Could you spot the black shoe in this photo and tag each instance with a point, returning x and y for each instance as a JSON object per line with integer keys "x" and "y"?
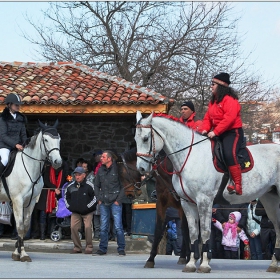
{"x": 122, "y": 253}
{"x": 99, "y": 253}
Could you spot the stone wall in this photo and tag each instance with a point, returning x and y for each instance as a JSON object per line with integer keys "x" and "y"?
{"x": 79, "y": 138}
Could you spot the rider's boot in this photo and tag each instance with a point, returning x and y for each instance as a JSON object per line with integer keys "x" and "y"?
{"x": 235, "y": 172}
{"x": 2, "y": 168}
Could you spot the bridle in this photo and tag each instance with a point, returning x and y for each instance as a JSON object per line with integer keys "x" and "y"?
{"x": 134, "y": 183}
{"x": 47, "y": 152}
{"x": 154, "y": 158}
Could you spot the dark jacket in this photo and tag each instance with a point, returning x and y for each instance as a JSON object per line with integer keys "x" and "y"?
{"x": 12, "y": 131}
{"x": 260, "y": 211}
{"x": 108, "y": 186}
{"x": 223, "y": 212}
{"x": 80, "y": 200}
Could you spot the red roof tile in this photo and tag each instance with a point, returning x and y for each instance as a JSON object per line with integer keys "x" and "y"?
{"x": 70, "y": 83}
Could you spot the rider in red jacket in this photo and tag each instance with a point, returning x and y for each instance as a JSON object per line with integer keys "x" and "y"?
{"x": 223, "y": 119}
{"x": 188, "y": 116}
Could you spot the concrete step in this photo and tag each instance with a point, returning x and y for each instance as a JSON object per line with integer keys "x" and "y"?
{"x": 134, "y": 245}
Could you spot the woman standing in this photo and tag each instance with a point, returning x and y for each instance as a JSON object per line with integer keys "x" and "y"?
{"x": 12, "y": 129}
{"x": 223, "y": 119}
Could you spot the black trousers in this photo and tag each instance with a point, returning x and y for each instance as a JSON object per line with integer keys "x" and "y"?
{"x": 268, "y": 239}
{"x": 231, "y": 141}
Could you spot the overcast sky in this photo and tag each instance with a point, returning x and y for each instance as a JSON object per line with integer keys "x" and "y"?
{"x": 260, "y": 21}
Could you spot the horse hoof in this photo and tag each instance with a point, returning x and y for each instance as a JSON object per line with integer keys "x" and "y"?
{"x": 271, "y": 269}
{"x": 278, "y": 270}
{"x": 26, "y": 259}
{"x": 204, "y": 269}
{"x": 189, "y": 269}
{"x": 15, "y": 257}
{"x": 149, "y": 265}
{"x": 182, "y": 261}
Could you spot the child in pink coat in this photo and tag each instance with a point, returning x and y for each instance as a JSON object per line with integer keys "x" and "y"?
{"x": 231, "y": 238}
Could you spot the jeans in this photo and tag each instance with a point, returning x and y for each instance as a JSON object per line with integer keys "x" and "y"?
{"x": 105, "y": 213}
{"x": 256, "y": 248}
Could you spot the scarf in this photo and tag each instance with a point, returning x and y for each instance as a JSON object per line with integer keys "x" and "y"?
{"x": 51, "y": 203}
{"x": 232, "y": 227}
{"x": 97, "y": 167}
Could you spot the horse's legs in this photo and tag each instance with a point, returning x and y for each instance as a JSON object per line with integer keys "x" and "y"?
{"x": 205, "y": 217}
{"x": 191, "y": 213}
{"x": 271, "y": 203}
{"x": 22, "y": 218}
{"x": 185, "y": 250}
{"x": 160, "y": 222}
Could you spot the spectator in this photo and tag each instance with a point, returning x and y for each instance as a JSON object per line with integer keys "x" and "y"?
{"x": 110, "y": 193}
{"x": 222, "y": 215}
{"x": 80, "y": 199}
{"x": 267, "y": 233}
{"x": 171, "y": 244}
{"x": 253, "y": 231}
{"x": 216, "y": 237}
{"x": 231, "y": 236}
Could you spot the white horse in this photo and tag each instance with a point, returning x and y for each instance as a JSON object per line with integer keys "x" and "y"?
{"x": 25, "y": 182}
{"x": 196, "y": 180}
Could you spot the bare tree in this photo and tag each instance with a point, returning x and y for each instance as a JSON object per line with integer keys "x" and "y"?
{"x": 173, "y": 47}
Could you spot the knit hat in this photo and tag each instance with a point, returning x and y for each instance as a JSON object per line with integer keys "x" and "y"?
{"x": 188, "y": 104}
{"x": 235, "y": 216}
{"x": 97, "y": 153}
{"x": 222, "y": 79}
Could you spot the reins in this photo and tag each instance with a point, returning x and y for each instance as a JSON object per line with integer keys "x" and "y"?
{"x": 152, "y": 149}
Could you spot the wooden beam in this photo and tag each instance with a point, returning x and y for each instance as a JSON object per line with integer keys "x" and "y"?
{"x": 90, "y": 109}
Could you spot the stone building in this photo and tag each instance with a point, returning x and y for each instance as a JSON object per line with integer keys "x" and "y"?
{"x": 95, "y": 110}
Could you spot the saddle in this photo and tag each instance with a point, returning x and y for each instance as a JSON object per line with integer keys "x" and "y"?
{"x": 244, "y": 157}
{"x": 10, "y": 164}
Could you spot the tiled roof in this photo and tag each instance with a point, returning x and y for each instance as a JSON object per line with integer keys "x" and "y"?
{"x": 70, "y": 83}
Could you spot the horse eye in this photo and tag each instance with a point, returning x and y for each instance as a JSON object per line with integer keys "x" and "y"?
{"x": 145, "y": 139}
{"x": 46, "y": 140}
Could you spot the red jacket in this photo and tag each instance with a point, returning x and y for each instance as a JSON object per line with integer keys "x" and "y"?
{"x": 191, "y": 123}
{"x": 222, "y": 116}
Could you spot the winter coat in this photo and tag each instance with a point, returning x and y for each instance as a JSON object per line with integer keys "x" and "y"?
{"x": 171, "y": 230}
{"x": 252, "y": 226}
{"x": 80, "y": 200}
{"x": 191, "y": 122}
{"x": 222, "y": 116}
{"x": 108, "y": 186}
{"x": 228, "y": 240}
{"x": 12, "y": 131}
{"x": 265, "y": 222}
{"x": 90, "y": 177}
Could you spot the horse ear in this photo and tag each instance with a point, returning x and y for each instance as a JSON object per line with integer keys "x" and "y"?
{"x": 138, "y": 116}
{"x": 41, "y": 125}
{"x": 55, "y": 124}
{"x": 149, "y": 119}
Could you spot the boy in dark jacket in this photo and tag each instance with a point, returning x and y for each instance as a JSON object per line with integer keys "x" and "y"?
{"x": 81, "y": 201}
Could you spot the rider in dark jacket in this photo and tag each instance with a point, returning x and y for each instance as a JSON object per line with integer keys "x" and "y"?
{"x": 12, "y": 129}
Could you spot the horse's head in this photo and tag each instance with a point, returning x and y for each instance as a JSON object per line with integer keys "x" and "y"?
{"x": 129, "y": 175}
{"x": 148, "y": 142}
{"x": 51, "y": 144}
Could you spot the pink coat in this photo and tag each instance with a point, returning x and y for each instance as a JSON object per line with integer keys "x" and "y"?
{"x": 228, "y": 239}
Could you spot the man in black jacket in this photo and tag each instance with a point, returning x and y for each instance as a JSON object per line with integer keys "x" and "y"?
{"x": 110, "y": 193}
{"x": 267, "y": 234}
{"x": 81, "y": 201}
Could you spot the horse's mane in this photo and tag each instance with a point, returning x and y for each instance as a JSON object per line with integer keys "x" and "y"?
{"x": 32, "y": 141}
{"x": 166, "y": 116}
{"x": 130, "y": 155}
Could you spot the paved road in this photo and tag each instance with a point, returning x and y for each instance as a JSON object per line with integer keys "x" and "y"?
{"x": 62, "y": 265}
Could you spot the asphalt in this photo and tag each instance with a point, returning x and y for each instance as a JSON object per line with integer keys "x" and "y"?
{"x": 134, "y": 245}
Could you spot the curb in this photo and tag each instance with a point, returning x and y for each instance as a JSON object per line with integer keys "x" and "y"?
{"x": 133, "y": 246}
